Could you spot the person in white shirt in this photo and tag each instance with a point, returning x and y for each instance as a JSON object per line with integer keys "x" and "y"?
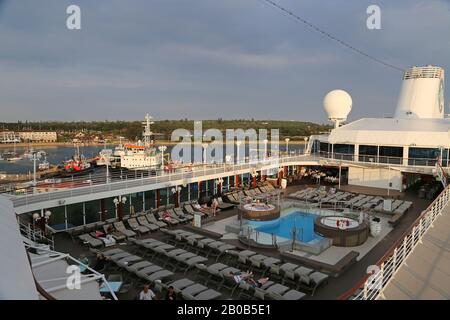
{"x": 146, "y": 293}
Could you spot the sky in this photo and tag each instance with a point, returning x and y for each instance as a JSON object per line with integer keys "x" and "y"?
{"x": 209, "y": 59}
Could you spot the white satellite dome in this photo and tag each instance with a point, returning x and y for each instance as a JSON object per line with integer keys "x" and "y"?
{"x": 337, "y": 105}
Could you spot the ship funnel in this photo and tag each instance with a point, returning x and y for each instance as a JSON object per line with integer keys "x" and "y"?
{"x": 422, "y": 94}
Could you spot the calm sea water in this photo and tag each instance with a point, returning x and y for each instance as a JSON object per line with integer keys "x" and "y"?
{"x": 56, "y": 155}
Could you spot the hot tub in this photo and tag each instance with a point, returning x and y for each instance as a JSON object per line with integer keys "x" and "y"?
{"x": 345, "y": 232}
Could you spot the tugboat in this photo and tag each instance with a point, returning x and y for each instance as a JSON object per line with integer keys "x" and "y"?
{"x": 77, "y": 166}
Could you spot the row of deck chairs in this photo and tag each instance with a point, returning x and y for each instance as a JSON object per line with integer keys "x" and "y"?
{"x": 305, "y": 278}
{"x": 222, "y": 276}
{"x": 153, "y": 273}
{"x": 199, "y": 243}
{"x": 350, "y": 200}
{"x": 301, "y": 277}
{"x": 234, "y": 197}
{"x": 168, "y": 254}
{"x": 142, "y": 223}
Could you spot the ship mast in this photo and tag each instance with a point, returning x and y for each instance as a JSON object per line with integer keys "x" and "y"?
{"x": 147, "y": 134}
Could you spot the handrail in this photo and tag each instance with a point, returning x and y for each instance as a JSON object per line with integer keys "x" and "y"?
{"x": 79, "y": 263}
{"x": 390, "y": 262}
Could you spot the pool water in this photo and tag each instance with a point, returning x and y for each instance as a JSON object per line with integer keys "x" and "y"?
{"x": 283, "y": 227}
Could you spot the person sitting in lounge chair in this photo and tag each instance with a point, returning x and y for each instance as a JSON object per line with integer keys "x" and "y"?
{"x": 146, "y": 293}
{"x": 248, "y": 278}
{"x": 100, "y": 262}
{"x": 170, "y": 295}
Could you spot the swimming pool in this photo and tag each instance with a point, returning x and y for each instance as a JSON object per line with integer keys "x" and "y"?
{"x": 283, "y": 227}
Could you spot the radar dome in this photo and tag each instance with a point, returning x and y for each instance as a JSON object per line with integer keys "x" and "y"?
{"x": 337, "y": 105}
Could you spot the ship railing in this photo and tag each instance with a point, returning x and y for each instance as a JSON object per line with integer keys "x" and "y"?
{"x": 372, "y": 285}
{"x": 92, "y": 274}
{"x": 381, "y": 160}
{"x": 94, "y": 183}
{"x": 35, "y": 235}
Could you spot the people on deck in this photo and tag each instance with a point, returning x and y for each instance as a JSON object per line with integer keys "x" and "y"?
{"x": 100, "y": 262}
{"x": 147, "y": 293}
{"x": 170, "y": 295}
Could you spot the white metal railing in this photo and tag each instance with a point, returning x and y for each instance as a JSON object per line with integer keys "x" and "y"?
{"x": 82, "y": 186}
{"x": 373, "y": 286}
{"x": 35, "y": 235}
{"x": 54, "y": 255}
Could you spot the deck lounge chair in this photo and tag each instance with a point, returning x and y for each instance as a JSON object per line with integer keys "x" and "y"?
{"x": 175, "y": 216}
{"x": 313, "y": 281}
{"x": 142, "y": 220}
{"x": 289, "y": 295}
{"x": 167, "y": 217}
{"x": 135, "y": 226}
{"x": 180, "y": 213}
{"x": 119, "y": 236}
{"x": 180, "y": 284}
{"x": 121, "y": 227}
{"x": 223, "y": 205}
{"x": 91, "y": 241}
{"x": 209, "y": 294}
{"x": 159, "y": 275}
{"x": 151, "y": 219}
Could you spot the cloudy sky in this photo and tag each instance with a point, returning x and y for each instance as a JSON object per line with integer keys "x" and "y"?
{"x": 208, "y": 59}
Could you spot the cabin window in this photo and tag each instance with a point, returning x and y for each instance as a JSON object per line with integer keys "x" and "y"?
{"x": 392, "y": 155}
{"x": 424, "y": 156}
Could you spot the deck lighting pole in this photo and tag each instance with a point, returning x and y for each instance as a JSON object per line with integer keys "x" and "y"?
{"x": 304, "y": 148}
{"x": 34, "y": 168}
{"x": 205, "y": 147}
{"x": 265, "y": 148}
{"x": 119, "y": 202}
{"x": 162, "y": 149}
{"x": 287, "y": 145}
{"x": 238, "y": 144}
{"x": 42, "y": 218}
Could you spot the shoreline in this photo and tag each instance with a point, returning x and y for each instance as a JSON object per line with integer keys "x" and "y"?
{"x": 94, "y": 144}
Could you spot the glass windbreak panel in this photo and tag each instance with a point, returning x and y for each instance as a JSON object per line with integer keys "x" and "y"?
{"x": 368, "y": 153}
{"x": 211, "y": 184}
{"x": 136, "y": 202}
{"x": 149, "y": 200}
{"x": 171, "y": 195}
{"x": 324, "y": 148}
{"x": 75, "y": 214}
{"x": 184, "y": 194}
{"x": 57, "y": 218}
{"x": 445, "y": 158}
{"x": 163, "y": 196}
{"x": 110, "y": 208}
{"x": 343, "y": 151}
{"x": 194, "y": 191}
{"x": 392, "y": 155}
{"x": 225, "y": 184}
{"x": 423, "y": 156}
{"x": 92, "y": 211}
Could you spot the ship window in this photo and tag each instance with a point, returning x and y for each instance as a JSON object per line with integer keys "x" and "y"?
{"x": 324, "y": 147}
{"x": 75, "y": 214}
{"x": 149, "y": 200}
{"x": 92, "y": 209}
{"x": 424, "y": 156}
{"x": 368, "y": 153}
{"x": 184, "y": 194}
{"x": 194, "y": 191}
{"x": 343, "y": 151}
{"x": 57, "y": 218}
{"x": 391, "y": 154}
